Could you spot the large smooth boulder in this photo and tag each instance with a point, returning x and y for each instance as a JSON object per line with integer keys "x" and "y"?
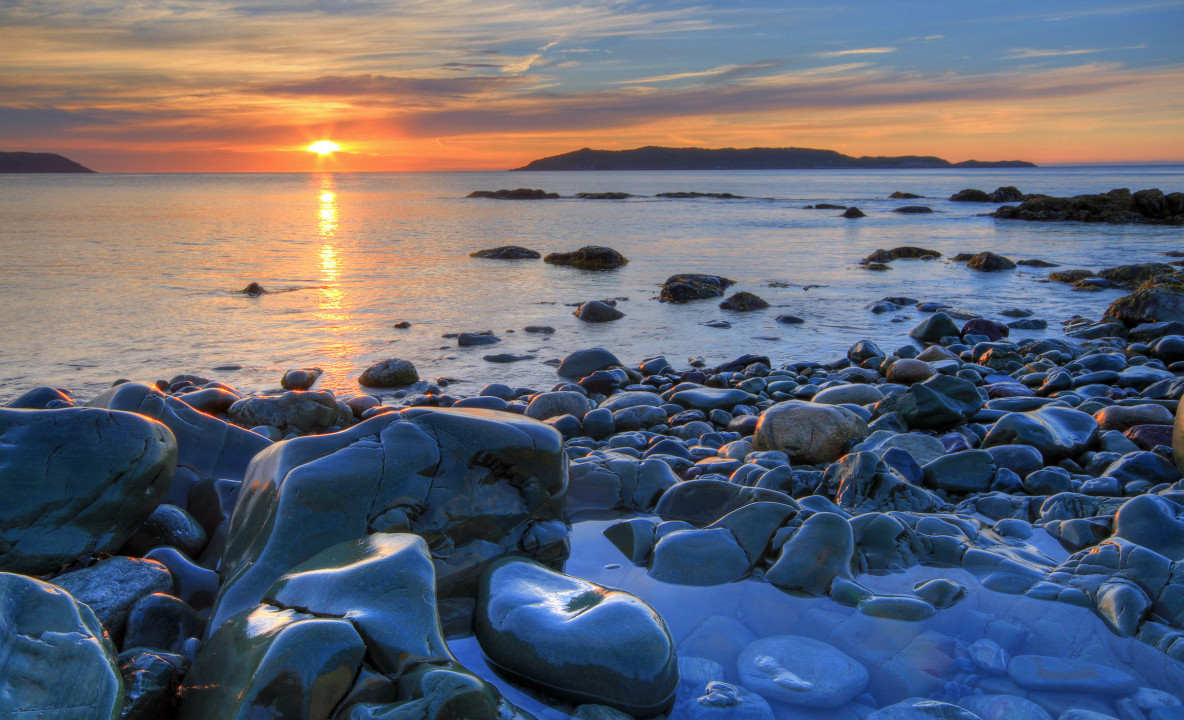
{"x": 800, "y": 671}
{"x": 1178, "y": 437}
{"x": 385, "y": 585}
{"x": 77, "y": 480}
{"x": 555, "y": 404}
{"x": 574, "y": 639}
{"x": 1154, "y": 522}
{"x": 111, "y": 587}
{"x": 862, "y": 482}
{"x": 582, "y": 363}
{"x": 684, "y": 287}
{"x": 1057, "y": 432}
{"x": 821, "y": 550}
{"x": 935, "y": 327}
{"x": 267, "y": 662}
{"x": 55, "y": 659}
{"x": 939, "y": 402}
{"x": 300, "y": 412}
{"x": 477, "y": 484}
{"x": 589, "y": 257}
{"x": 392, "y": 372}
{"x": 808, "y": 432}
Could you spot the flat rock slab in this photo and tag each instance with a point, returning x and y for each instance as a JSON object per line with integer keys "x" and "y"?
{"x": 801, "y": 671}
{"x": 1054, "y": 674}
{"x": 575, "y": 639}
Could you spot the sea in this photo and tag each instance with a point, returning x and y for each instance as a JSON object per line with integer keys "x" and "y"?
{"x": 136, "y": 276}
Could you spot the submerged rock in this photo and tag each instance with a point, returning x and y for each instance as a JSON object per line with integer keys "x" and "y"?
{"x": 516, "y": 194}
{"x": 743, "y": 301}
{"x": 589, "y": 257}
{"x": 507, "y": 252}
{"x": 801, "y": 671}
{"x": 574, "y": 639}
{"x": 685, "y": 287}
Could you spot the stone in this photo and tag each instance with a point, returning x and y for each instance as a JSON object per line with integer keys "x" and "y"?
{"x": 260, "y": 663}
{"x": 862, "y": 482}
{"x": 507, "y": 252}
{"x": 801, "y": 671}
{"x": 392, "y": 372}
{"x": 939, "y": 402}
{"x": 905, "y": 251}
{"x": 574, "y": 639}
{"x": 1058, "y": 433}
{"x": 933, "y": 328}
{"x": 589, "y": 257}
{"x": 300, "y": 379}
{"x": 444, "y": 691}
{"x": 162, "y": 622}
{"x": 1154, "y": 522}
{"x": 55, "y": 659}
{"x": 970, "y": 195}
{"x": 516, "y": 194}
{"x": 110, "y": 588}
{"x": 1058, "y": 674}
{"x": 150, "y": 685}
{"x": 708, "y": 556}
{"x": 382, "y": 583}
{"x": 821, "y": 550}
{"x": 77, "y": 480}
{"x": 582, "y": 363}
{"x": 707, "y": 399}
{"x": 684, "y": 287}
{"x": 168, "y": 525}
{"x": 921, "y": 709}
{"x": 908, "y": 371}
{"x": 968, "y": 471}
{"x": 596, "y": 311}
{"x": 982, "y": 326}
{"x": 1125, "y": 417}
{"x": 853, "y": 212}
{"x": 554, "y": 404}
{"x": 479, "y": 483}
{"x": 855, "y": 394}
{"x": 743, "y": 301}
{"x": 990, "y": 262}
{"x": 724, "y": 701}
{"x": 809, "y": 433}
{"x": 476, "y": 339}
{"x": 299, "y": 412}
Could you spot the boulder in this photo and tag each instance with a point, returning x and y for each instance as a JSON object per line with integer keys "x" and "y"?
{"x": 111, "y": 587}
{"x": 55, "y": 659}
{"x": 515, "y": 194}
{"x": 743, "y": 301}
{"x": 589, "y": 257}
{"x": 684, "y": 287}
{"x": 990, "y": 262}
{"x": 77, "y": 480}
{"x": 576, "y": 640}
{"x": 478, "y": 483}
{"x": 507, "y": 252}
{"x": 596, "y": 311}
{"x": 1154, "y": 301}
{"x": 970, "y": 195}
{"x": 902, "y": 252}
{"x": 1058, "y": 433}
{"x": 801, "y": 671}
{"x": 554, "y": 404}
{"x": 300, "y": 379}
{"x": 935, "y": 327}
{"x": 808, "y": 432}
{"x": 1130, "y": 277}
{"x": 821, "y": 550}
{"x": 852, "y": 213}
{"x": 300, "y": 412}
{"x": 582, "y": 363}
{"x": 936, "y": 403}
{"x": 391, "y": 372}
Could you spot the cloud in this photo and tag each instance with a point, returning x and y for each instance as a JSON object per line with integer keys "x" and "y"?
{"x": 1029, "y": 53}
{"x": 858, "y": 51}
{"x": 379, "y": 86}
{"x": 716, "y": 74}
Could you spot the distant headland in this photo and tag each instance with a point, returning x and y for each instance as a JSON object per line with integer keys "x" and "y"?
{"x": 27, "y": 162}
{"x": 664, "y": 158}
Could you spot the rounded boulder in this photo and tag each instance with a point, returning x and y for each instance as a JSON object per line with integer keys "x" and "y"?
{"x": 808, "y": 432}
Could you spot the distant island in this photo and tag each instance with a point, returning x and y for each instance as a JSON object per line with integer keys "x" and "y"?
{"x": 664, "y": 158}
{"x": 27, "y": 162}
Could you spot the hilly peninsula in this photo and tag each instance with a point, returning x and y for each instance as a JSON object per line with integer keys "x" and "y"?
{"x": 664, "y": 158}
{"x": 27, "y": 162}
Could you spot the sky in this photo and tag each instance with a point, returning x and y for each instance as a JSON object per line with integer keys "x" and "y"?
{"x": 217, "y": 85}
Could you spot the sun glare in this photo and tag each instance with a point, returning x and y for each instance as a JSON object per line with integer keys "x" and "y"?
{"x": 324, "y": 147}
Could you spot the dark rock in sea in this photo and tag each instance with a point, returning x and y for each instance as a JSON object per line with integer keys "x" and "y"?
{"x": 790, "y": 320}
{"x": 743, "y": 301}
{"x": 1159, "y": 300}
{"x": 935, "y": 327}
{"x": 253, "y": 289}
{"x": 853, "y": 212}
{"x": 1033, "y": 262}
{"x": 506, "y": 358}
{"x": 596, "y": 311}
{"x": 57, "y": 659}
{"x": 77, "y": 480}
{"x": 1116, "y": 206}
{"x": 476, "y": 339}
{"x": 1070, "y": 276}
{"x": 1007, "y": 193}
{"x": 300, "y": 379}
{"x": 1130, "y": 277}
{"x": 1028, "y": 324}
{"x": 480, "y": 483}
{"x": 913, "y": 209}
{"x": 582, "y": 363}
{"x": 981, "y": 326}
{"x": 401, "y": 325}
{"x": 685, "y": 287}
{"x": 242, "y": 668}
{"x": 539, "y": 329}
{"x": 970, "y": 195}
{"x": 874, "y": 266}
{"x": 826, "y": 206}
{"x": 686, "y": 195}
{"x": 899, "y": 253}
{"x": 809, "y": 433}
{"x": 589, "y": 257}
{"x": 300, "y": 412}
{"x": 392, "y": 372}
{"x": 516, "y": 194}
{"x": 990, "y": 262}
{"x": 507, "y": 252}
{"x": 110, "y": 588}
{"x": 574, "y": 639}
{"x": 898, "y": 195}
{"x": 603, "y": 195}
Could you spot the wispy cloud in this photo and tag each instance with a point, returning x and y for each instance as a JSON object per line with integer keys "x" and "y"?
{"x": 721, "y": 73}
{"x": 857, "y": 51}
{"x": 1030, "y": 53}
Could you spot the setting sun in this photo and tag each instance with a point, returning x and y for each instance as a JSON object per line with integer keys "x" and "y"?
{"x": 324, "y": 147}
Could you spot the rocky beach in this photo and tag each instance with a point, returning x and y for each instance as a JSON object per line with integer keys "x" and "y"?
{"x": 985, "y": 522}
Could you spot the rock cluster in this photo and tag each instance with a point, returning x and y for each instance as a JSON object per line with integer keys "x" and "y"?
{"x": 1116, "y": 206}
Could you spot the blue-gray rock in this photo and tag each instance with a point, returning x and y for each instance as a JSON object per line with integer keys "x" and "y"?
{"x": 574, "y": 639}
{"x": 801, "y": 671}
{"x": 936, "y": 403}
{"x": 968, "y": 471}
{"x": 1004, "y": 707}
{"x": 150, "y": 684}
{"x": 77, "y": 480}
{"x": 708, "y": 556}
{"x": 1020, "y": 459}
{"x": 582, "y": 363}
{"x": 162, "y": 622}
{"x": 633, "y": 537}
{"x": 467, "y": 339}
{"x": 855, "y": 393}
{"x": 110, "y": 588}
{"x": 42, "y": 398}
{"x": 862, "y": 482}
{"x": 922, "y": 709}
{"x": 809, "y": 433}
{"x": 55, "y": 659}
{"x": 1057, "y": 432}
{"x": 168, "y": 525}
{"x": 392, "y": 372}
{"x": 595, "y": 311}
{"x": 480, "y": 483}
{"x": 299, "y": 412}
{"x": 821, "y": 550}
{"x": 1142, "y": 466}
{"x": 706, "y": 399}
{"x": 267, "y": 662}
{"x": 935, "y": 327}
{"x": 1056, "y": 674}
{"x": 598, "y": 423}
{"x": 1155, "y": 522}
{"x": 614, "y": 481}
{"x": 724, "y": 701}
{"x": 553, "y": 404}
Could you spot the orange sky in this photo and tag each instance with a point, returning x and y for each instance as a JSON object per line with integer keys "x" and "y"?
{"x": 196, "y": 85}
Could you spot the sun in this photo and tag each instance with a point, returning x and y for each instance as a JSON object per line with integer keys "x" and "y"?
{"x": 323, "y": 147}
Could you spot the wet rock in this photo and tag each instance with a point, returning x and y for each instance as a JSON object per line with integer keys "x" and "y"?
{"x": 1058, "y": 433}
{"x": 820, "y": 551}
{"x": 1154, "y": 522}
{"x": 939, "y": 402}
{"x": 707, "y": 399}
{"x": 1125, "y": 417}
{"x": 855, "y": 394}
{"x": 111, "y": 587}
{"x": 168, "y": 525}
{"x": 391, "y": 372}
{"x": 685, "y": 287}
{"x": 990, "y": 262}
{"x": 970, "y": 195}
{"x": 1055, "y": 674}
{"x": 55, "y": 659}
{"x": 516, "y": 194}
{"x": 921, "y": 709}
{"x": 554, "y": 404}
{"x": 384, "y": 584}
{"x": 300, "y": 379}
{"x": 582, "y": 363}
{"x": 862, "y": 482}
{"x": 479, "y": 483}
{"x": 708, "y": 556}
{"x": 507, "y": 252}
{"x": 801, "y": 671}
{"x": 1160, "y": 300}
{"x": 913, "y": 209}
{"x": 908, "y": 371}
{"x": 589, "y": 257}
{"x": 574, "y": 639}
{"x": 77, "y": 480}
{"x": 853, "y": 212}
{"x": 981, "y": 326}
{"x": 969, "y": 471}
{"x": 162, "y": 622}
{"x": 42, "y": 398}
{"x": 299, "y": 412}
{"x": 743, "y": 301}
{"x": 1129, "y": 277}
{"x": 935, "y": 327}
{"x": 475, "y": 339}
{"x": 259, "y": 664}
{"x": 612, "y": 481}
{"x": 807, "y": 432}
{"x": 902, "y": 252}
{"x": 724, "y": 701}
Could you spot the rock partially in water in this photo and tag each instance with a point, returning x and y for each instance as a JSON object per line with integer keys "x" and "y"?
{"x": 685, "y": 287}
{"x": 821, "y": 550}
{"x": 596, "y": 311}
{"x": 392, "y": 372}
{"x": 990, "y": 262}
{"x": 801, "y": 671}
{"x": 744, "y": 301}
{"x": 507, "y": 252}
{"x": 574, "y": 639}
{"x": 582, "y": 363}
{"x": 589, "y": 257}
{"x": 515, "y": 194}
{"x": 55, "y": 659}
{"x": 77, "y": 480}
{"x": 300, "y": 379}
{"x": 902, "y": 252}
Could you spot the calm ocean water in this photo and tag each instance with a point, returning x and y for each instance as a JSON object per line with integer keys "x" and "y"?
{"x": 133, "y": 276}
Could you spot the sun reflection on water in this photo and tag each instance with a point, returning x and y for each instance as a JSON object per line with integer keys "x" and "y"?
{"x": 334, "y": 310}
